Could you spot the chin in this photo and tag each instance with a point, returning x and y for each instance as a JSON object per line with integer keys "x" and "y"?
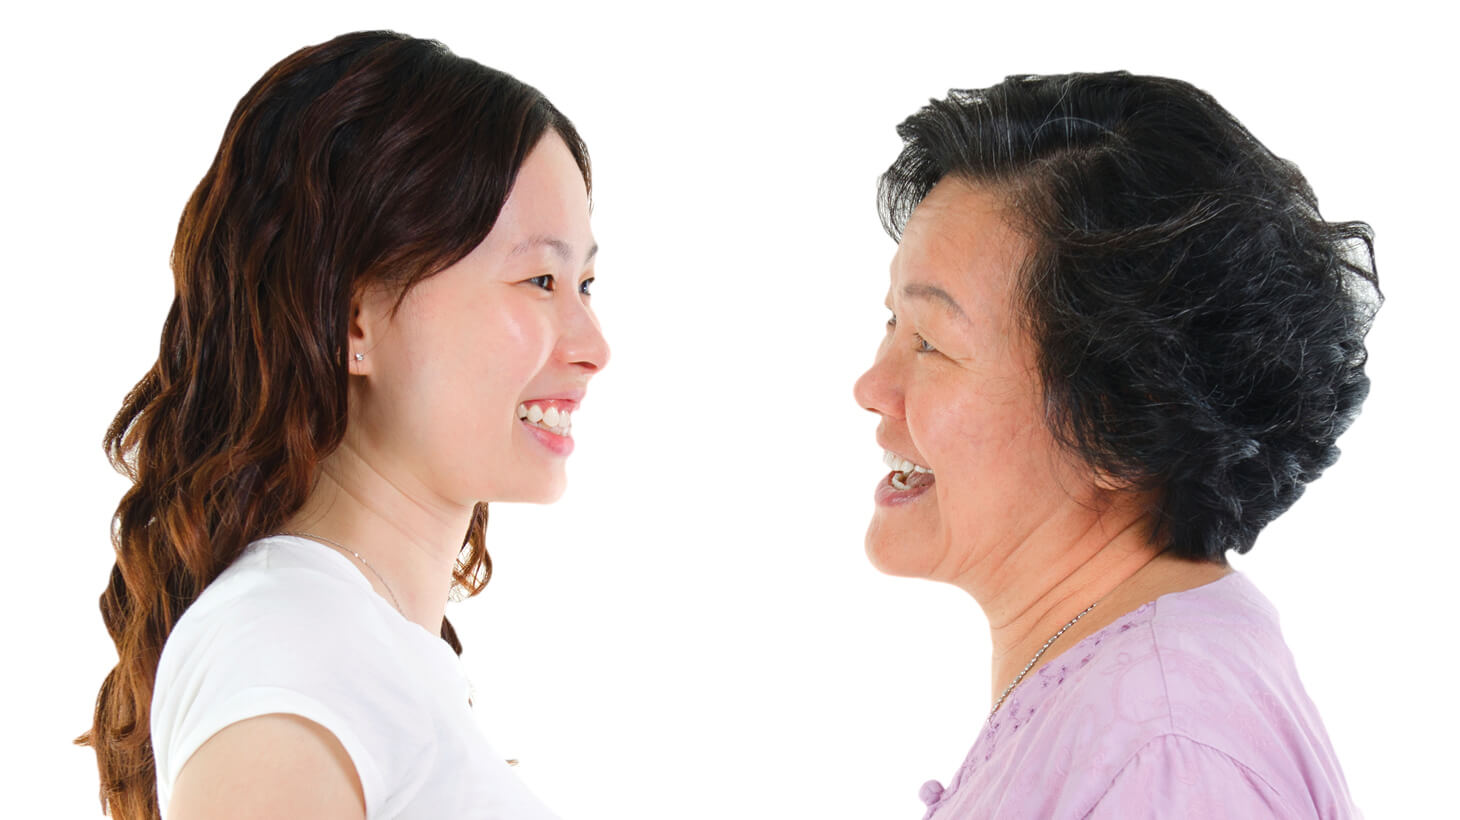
{"x": 550, "y": 496}
{"x": 895, "y": 556}
{"x": 545, "y": 492}
{"x": 528, "y": 489}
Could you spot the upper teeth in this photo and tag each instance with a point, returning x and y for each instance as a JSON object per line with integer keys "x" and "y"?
{"x": 902, "y": 465}
{"x": 551, "y": 418}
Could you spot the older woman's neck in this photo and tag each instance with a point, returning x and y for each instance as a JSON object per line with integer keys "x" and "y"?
{"x": 1033, "y": 590}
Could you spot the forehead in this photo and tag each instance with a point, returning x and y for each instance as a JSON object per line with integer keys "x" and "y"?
{"x": 960, "y": 238}
{"x": 548, "y": 199}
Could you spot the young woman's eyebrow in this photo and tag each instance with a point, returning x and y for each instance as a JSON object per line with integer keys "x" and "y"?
{"x": 561, "y": 248}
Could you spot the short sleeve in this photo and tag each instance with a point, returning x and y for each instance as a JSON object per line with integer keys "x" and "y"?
{"x": 1174, "y": 776}
{"x": 292, "y": 642}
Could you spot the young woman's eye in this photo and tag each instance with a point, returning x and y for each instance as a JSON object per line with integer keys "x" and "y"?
{"x": 545, "y": 281}
{"x": 922, "y": 345}
{"x": 585, "y": 287}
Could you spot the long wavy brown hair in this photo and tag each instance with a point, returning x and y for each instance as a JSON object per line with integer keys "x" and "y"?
{"x": 374, "y": 158}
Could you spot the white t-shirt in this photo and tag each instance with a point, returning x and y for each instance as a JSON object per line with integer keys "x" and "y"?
{"x": 294, "y": 627}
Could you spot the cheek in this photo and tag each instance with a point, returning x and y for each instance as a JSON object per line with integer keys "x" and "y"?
{"x": 948, "y": 420}
{"x": 512, "y": 343}
{"x": 1000, "y": 470}
{"x": 495, "y": 457}
{"x": 469, "y": 365}
{"x": 976, "y": 423}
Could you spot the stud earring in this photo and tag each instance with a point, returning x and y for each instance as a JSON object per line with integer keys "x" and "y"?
{"x": 359, "y": 357}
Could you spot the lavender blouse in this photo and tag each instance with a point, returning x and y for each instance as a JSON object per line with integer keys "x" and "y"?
{"x": 1188, "y": 707}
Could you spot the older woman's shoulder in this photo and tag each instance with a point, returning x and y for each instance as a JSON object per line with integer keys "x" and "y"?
{"x": 1200, "y": 674}
{"x": 1225, "y": 673}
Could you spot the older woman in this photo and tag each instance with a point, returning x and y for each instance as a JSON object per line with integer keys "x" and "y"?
{"x": 1122, "y": 341}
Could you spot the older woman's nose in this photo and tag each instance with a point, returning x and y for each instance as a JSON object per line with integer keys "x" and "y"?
{"x": 876, "y": 390}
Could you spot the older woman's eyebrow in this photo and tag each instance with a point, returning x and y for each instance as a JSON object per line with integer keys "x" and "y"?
{"x": 933, "y": 293}
{"x": 559, "y": 247}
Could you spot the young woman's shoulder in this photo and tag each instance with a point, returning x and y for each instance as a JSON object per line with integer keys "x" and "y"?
{"x": 287, "y": 612}
{"x": 290, "y": 629}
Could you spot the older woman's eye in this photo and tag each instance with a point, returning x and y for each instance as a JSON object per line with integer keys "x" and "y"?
{"x": 545, "y": 281}
{"x": 584, "y": 286}
{"x": 922, "y": 345}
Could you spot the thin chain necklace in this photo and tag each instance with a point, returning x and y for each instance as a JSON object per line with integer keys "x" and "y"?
{"x": 358, "y": 557}
{"x": 471, "y": 687}
{"x": 1035, "y": 659}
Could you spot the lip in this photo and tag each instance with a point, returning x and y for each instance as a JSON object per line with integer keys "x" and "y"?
{"x": 564, "y": 402}
{"x": 561, "y": 446}
{"x": 887, "y": 495}
{"x": 881, "y": 442}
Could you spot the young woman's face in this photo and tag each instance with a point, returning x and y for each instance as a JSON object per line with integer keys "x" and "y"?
{"x": 507, "y": 331}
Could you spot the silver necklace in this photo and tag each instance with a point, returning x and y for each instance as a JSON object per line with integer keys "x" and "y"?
{"x": 1035, "y": 659}
{"x": 471, "y": 688}
{"x": 358, "y": 557}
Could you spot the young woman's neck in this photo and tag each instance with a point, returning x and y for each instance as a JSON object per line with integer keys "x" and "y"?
{"x": 408, "y": 538}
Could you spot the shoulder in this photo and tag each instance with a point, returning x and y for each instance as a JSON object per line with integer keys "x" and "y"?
{"x": 288, "y": 630}
{"x": 1188, "y": 663}
{"x": 274, "y": 765}
{"x": 281, "y": 613}
{"x": 1175, "y": 776}
{"x": 1226, "y": 674}
{"x": 1198, "y": 689}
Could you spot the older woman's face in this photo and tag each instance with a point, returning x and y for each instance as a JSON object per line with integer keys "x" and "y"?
{"x": 956, "y": 388}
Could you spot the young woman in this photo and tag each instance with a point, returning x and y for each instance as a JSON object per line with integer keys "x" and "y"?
{"x": 382, "y": 321}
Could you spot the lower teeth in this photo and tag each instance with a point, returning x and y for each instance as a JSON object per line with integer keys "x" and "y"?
{"x": 558, "y": 431}
{"x": 899, "y": 481}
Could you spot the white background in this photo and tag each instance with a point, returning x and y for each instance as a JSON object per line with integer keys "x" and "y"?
{"x": 694, "y": 631}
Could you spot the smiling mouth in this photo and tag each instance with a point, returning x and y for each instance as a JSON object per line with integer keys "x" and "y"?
{"x": 555, "y": 421}
{"x": 906, "y": 474}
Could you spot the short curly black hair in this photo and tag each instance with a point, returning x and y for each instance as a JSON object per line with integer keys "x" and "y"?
{"x": 1199, "y": 327}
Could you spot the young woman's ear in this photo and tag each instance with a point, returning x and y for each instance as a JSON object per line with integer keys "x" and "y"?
{"x": 370, "y": 310}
